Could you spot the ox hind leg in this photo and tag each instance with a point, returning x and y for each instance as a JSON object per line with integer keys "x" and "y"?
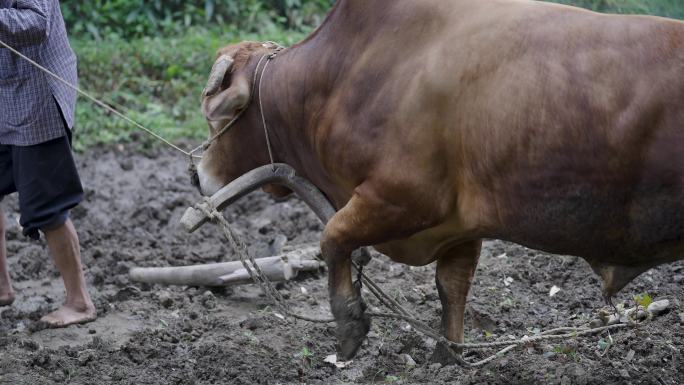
{"x": 363, "y": 221}
{"x": 455, "y": 271}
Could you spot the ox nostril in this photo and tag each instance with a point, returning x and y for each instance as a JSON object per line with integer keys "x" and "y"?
{"x": 194, "y": 177}
{"x": 207, "y": 183}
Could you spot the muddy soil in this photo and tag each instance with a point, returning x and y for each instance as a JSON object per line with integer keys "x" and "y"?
{"x": 148, "y": 334}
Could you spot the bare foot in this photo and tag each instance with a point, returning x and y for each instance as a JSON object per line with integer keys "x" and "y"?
{"x": 70, "y": 315}
{"x": 6, "y": 299}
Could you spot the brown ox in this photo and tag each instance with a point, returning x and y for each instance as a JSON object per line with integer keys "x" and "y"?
{"x": 433, "y": 124}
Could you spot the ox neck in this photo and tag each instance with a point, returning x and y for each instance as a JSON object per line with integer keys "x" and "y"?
{"x": 282, "y": 107}
{"x": 297, "y": 89}
{"x": 292, "y": 91}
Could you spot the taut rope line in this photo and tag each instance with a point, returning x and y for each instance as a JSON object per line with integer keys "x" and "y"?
{"x": 101, "y": 103}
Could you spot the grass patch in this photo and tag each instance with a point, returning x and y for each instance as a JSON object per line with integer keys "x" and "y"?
{"x": 156, "y": 81}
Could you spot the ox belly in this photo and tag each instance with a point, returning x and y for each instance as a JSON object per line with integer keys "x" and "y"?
{"x": 620, "y": 232}
{"x": 428, "y": 245}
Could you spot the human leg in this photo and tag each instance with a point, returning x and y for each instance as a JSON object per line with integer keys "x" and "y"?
{"x": 6, "y": 291}
{"x": 49, "y": 187}
{"x": 64, "y": 248}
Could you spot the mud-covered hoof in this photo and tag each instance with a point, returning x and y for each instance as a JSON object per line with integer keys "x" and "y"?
{"x": 444, "y": 354}
{"x": 352, "y": 326}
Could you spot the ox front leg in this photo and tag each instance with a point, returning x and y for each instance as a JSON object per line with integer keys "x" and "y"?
{"x": 345, "y": 297}
{"x": 361, "y": 222}
{"x": 455, "y": 271}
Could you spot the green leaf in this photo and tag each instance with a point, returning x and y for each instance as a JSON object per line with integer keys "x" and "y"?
{"x": 93, "y": 31}
{"x": 306, "y": 353}
{"x": 643, "y": 299}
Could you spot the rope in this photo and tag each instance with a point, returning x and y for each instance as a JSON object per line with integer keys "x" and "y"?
{"x": 261, "y": 111}
{"x": 398, "y": 312}
{"x": 99, "y": 102}
{"x": 222, "y": 131}
{"x": 252, "y": 267}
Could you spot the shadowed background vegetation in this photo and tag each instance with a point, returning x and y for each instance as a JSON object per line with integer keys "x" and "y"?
{"x": 150, "y": 59}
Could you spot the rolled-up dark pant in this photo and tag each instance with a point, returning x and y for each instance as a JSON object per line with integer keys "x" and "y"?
{"x": 46, "y": 179}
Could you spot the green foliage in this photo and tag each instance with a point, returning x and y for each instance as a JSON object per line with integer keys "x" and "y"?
{"x": 152, "y": 57}
{"x": 668, "y": 8}
{"x": 156, "y": 81}
{"x": 130, "y": 19}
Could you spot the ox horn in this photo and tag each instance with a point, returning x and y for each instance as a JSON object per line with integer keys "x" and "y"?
{"x": 218, "y": 71}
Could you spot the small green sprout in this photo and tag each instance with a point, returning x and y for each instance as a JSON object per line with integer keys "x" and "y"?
{"x": 306, "y": 353}
{"x": 643, "y": 300}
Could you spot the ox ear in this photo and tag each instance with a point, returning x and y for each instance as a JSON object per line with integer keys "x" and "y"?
{"x": 225, "y": 104}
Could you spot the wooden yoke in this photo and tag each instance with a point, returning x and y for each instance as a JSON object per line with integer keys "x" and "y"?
{"x": 280, "y": 174}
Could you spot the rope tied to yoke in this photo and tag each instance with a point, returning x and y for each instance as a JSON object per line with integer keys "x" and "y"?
{"x": 250, "y": 264}
{"x": 98, "y": 102}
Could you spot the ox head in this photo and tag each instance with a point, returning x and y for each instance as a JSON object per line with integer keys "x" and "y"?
{"x": 227, "y": 95}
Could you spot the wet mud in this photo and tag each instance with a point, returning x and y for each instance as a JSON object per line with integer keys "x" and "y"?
{"x": 150, "y": 334}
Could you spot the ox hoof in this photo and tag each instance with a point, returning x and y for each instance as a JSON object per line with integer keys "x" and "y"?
{"x": 352, "y": 326}
{"x": 444, "y": 354}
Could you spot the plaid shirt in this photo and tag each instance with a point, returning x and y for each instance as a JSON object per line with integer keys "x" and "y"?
{"x": 28, "y": 112}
